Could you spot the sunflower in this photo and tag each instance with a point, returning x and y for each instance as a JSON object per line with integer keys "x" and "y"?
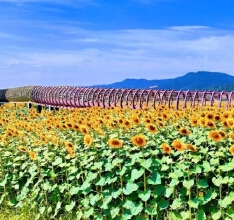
{"x": 194, "y": 121}
{"x": 202, "y": 122}
{"x": 48, "y": 127}
{"x": 32, "y": 155}
{"x": 120, "y": 121}
{"x": 135, "y": 119}
{"x": 232, "y": 136}
{"x": 70, "y": 151}
{"x": 139, "y": 140}
{"x": 215, "y": 136}
{"x": 69, "y": 145}
{"x": 75, "y": 127}
{"x": 225, "y": 124}
{"x": 225, "y": 115}
{"x": 147, "y": 120}
{"x": 56, "y": 124}
{"x": 184, "y": 131}
{"x": 84, "y": 129}
{"x": 9, "y": 133}
{"x": 107, "y": 117}
{"x": 178, "y": 145}
{"x": 127, "y": 123}
{"x": 201, "y": 194}
{"x": 223, "y": 134}
{"x": 111, "y": 124}
{"x": 151, "y": 128}
{"x": 160, "y": 124}
{"x": 88, "y": 140}
{"x": 210, "y": 124}
{"x": 23, "y": 149}
{"x": 166, "y": 148}
{"x": 115, "y": 143}
{"x": 164, "y": 116}
{"x": 43, "y": 138}
{"x": 69, "y": 125}
{"x": 231, "y": 149}
{"x": 210, "y": 116}
{"x": 217, "y": 117}
{"x": 230, "y": 123}
{"x": 191, "y": 147}
{"x": 89, "y": 125}
{"x": 63, "y": 126}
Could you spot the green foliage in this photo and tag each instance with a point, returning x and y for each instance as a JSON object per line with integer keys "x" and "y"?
{"x": 126, "y": 183}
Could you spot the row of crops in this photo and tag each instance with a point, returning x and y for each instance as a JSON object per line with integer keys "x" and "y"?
{"x": 117, "y": 163}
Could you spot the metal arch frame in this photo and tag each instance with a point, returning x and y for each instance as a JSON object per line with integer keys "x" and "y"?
{"x": 51, "y": 95}
{"x": 164, "y": 93}
{"x": 142, "y": 97}
{"x": 134, "y": 97}
{"x": 156, "y": 93}
{"x": 84, "y": 100}
{"x": 95, "y": 96}
{"x": 79, "y": 97}
{"x": 170, "y": 98}
{"x": 93, "y": 92}
{"x": 46, "y": 96}
{"x": 42, "y": 95}
{"x": 56, "y": 96}
{"x": 38, "y": 93}
{"x": 100, "y": 97}
{"x": 203, "y": 100}
{"x": 185, "y": 98}
{"x": 66, "y": 96}
{"x": 71, "y": 97}
{"x": 117, "y": 96}
{"x": 122, "y": 97}
{"x": 76, "y": 97}
{"x": 111, "y": 97}
{"x": 148, "y": 96}
{"x": 73, "y": 101}
{"x": 195, "y": 95}
{"x": 212, "y": 98}
{"x": 104, "y": 96}
{"x": 220, "y": 99}
{"x": 64, "y": 99}
{"x": 128, "y": 96}
{"x": 34, "y": 93}
{"x": 60, "y": 96}
{"x": 230, "y": 99}
{"x": 178, "y": 98}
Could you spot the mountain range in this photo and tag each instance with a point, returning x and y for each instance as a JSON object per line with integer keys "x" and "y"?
{"x": 201, "y": 80}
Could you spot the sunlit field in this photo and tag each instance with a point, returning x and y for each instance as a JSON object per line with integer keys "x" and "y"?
{"x": 99, "y": 163}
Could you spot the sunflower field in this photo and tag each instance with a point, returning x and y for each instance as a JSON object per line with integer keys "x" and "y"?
{"x": 118, "y": 163}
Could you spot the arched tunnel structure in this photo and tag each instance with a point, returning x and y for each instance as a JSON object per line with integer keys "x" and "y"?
{"x": 78, "y": 97}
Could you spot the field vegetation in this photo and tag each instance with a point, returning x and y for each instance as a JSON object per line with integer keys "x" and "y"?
{"x": 99, "y": 163}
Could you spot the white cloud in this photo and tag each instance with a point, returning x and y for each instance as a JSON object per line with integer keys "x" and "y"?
{"x": 84, "y": 57}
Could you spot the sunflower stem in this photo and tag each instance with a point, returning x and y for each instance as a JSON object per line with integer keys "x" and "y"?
{"x": 121, "y": 182}
{"x": 220, "y": 189}
{"x": 145, "y": 183}
{"x": 189, "y": 190}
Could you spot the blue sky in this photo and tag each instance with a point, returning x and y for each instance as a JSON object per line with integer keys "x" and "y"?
{"x": 89, "y": 42}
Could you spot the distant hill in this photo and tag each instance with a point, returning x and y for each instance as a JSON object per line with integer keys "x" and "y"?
{"x": 201, "y": 80}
